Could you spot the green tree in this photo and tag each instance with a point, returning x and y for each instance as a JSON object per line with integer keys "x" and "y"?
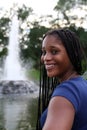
{"x": 4, "y": 23}
{"x": 33, "y": 44}
{"x": 65, "y": 16}
{"x": 24, "y": 12}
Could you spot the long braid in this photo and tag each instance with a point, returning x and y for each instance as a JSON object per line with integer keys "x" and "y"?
{"x": 47, "y": 85}
{"x": 76, "y": 46}
{"x": 72, "y": 45}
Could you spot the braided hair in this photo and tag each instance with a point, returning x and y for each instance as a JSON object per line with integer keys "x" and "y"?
{"x": 47, "y": 85}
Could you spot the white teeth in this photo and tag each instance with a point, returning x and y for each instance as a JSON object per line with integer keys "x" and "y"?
{"x": 49, "y": 66}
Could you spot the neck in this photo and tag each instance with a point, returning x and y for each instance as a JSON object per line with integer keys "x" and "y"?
{"x": 68, "y": 76}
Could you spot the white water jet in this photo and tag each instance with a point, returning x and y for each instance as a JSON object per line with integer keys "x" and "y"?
{"x": 12, "y": 68}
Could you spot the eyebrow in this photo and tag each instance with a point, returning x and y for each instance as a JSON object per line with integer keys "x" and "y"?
{"x": 50, "y": 47}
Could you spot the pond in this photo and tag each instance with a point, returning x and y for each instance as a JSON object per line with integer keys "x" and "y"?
{"x": 18, "y": 112}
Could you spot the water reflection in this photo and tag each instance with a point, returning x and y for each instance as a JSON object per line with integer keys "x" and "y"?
{"x": 18, "y": 112}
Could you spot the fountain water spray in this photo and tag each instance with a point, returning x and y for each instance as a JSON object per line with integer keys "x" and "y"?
{"x": 12, "y": 68}
{"x": 14, "y": 80}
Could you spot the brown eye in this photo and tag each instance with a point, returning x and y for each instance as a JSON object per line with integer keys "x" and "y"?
{"x": 54, "y": 52}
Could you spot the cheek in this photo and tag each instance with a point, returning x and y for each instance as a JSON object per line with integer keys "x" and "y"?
{"x": 63, "y": 62}
{"x": 63, "y": 58}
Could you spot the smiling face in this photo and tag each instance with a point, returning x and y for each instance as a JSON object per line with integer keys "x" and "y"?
{"x": 55, "y": 57}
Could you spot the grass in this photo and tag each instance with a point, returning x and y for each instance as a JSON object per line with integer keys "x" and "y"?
{"x": 33, "y": 74}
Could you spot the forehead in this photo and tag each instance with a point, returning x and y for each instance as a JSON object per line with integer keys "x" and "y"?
{"x": 52, "y": 40}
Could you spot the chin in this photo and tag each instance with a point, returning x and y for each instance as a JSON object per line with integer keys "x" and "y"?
{"x": 50, "y": 75}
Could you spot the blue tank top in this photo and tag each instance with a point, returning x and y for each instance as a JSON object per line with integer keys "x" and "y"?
{"x": 74, "y": 90}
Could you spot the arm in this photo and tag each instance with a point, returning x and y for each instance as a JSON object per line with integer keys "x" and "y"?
{"x": 60, "y": 114}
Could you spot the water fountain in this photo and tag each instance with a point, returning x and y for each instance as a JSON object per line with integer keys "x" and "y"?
{"x": 12, "y": 68}
{"x": 14, "y": 79}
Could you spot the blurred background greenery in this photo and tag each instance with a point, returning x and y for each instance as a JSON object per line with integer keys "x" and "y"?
{"x": 70, "y": 14}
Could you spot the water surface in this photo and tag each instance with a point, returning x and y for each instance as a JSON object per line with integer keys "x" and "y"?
{"x": 18, "y": 112}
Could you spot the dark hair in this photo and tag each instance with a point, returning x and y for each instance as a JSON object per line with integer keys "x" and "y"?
{"x": 73, "y": 47}
{"x": 74, "y": 50}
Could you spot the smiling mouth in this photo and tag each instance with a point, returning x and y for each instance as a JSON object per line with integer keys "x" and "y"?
{"x": 48, "y": 67}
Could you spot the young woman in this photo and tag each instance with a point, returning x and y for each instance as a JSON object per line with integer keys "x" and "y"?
{"x": 63, "y": 96}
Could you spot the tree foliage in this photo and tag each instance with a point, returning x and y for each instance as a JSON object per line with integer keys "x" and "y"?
{"x": 4, "y": 23}
{"x": 30, "y": 37}
{"x": 33, "y": 49}
{"x": 24, "y": 12}
{"x": 65, "y": 12}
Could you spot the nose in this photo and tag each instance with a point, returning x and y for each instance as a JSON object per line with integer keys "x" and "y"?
{"x": 47, "y": 56}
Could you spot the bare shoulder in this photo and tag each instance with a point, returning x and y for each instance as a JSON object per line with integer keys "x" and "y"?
{"x": 58, "y": 102}
{"x": 60, "y": 114}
